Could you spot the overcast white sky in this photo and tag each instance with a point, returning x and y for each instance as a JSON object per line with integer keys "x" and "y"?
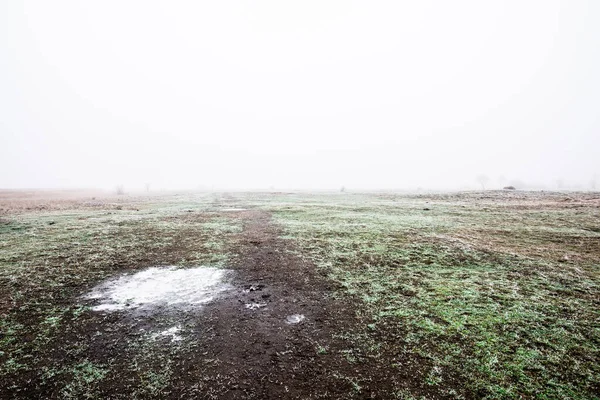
{"x": 301, "y": 94}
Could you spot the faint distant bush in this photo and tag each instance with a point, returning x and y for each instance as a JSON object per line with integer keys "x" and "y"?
{"x": 147, "y": 186}
{"x": 120, "y": 190}
{"x": 509, "y": 188}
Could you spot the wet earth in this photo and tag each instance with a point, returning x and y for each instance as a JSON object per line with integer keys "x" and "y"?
{"x": 266, "y": 336}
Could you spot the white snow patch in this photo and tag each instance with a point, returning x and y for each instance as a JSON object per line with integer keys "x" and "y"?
{"x": 160, "y": 285}
{"x": 172, "y": 332}
{"x": 255, "y": 306}
{"x": 294, "y": 319}
{"x": 252, "y": 288}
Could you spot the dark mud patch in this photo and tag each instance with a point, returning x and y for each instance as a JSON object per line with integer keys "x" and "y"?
{"x": 299, "y": 341}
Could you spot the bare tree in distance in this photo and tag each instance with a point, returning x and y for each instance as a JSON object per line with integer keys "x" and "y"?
{"x": 147, "y": 186}
{"x": 482, "y": 180}
{"x": 120, "y": 190}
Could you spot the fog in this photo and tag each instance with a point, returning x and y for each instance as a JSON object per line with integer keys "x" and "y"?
{"x": 299, "y": 94}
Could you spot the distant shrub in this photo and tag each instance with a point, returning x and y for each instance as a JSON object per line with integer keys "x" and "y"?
{"x": 509, "y": 188}
{"x": 120, "y": 190}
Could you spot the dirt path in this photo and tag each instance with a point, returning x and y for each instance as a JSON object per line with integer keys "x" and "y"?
{"x": 261, "y": 355}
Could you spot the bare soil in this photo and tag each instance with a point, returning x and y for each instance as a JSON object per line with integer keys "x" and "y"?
{"x": 261, "y": 355}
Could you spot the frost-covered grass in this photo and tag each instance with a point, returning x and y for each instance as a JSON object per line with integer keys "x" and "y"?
{"x": 501, "y": 294}
{"x": 50, "y": 258}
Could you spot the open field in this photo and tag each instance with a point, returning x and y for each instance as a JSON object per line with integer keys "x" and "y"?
{"x": 461, "y": 295}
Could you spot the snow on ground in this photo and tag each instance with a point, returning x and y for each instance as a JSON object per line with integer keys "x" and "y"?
{"x": 173, "y": 333}
{"x": 294, "y": 319}
{"x": 160, "y": 285}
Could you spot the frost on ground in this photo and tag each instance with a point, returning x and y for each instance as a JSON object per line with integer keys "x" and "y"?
{"x": 294, "y": 319}
{"x": 255, "y": 306}
{"x": 158, "y": 286}
{"x": 173, "y": 333}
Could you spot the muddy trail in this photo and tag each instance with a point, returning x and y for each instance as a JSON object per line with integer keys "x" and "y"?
{"x": 278, "y": 335}
{"x": 265, "y": 348}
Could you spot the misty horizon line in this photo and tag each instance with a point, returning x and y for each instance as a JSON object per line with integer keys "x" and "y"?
{"x": 124, "y": 190}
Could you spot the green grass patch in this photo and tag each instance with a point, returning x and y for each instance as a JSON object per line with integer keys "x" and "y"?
{"x": 441, "y": 285}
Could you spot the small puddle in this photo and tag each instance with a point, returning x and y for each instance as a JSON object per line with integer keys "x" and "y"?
{"x": 160, "y": 286}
